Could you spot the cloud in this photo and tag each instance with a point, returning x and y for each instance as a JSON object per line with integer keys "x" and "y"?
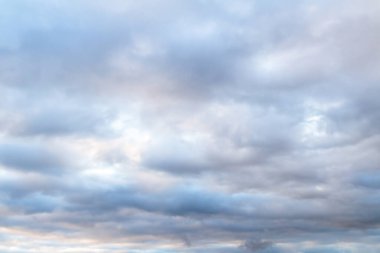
{"x": 257, "y": 246}
{"x": 177, "y": 201}
{"x": 65, "y": 121}
{"x": 31, "y": 158}
{"x": 326, "y": 250}
{"x": 192, "y": 126}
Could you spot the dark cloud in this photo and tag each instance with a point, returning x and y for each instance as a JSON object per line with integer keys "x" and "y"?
{"x": 179, "y": 202}
{"x": 257, "y": 246}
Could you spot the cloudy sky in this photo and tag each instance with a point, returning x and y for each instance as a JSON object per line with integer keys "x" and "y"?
{"x": 190, "y": 126}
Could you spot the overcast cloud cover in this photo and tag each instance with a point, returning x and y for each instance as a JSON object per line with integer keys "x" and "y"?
{"x": 194, "y": 126}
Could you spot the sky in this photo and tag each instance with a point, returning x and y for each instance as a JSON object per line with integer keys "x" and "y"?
{"x": 191, "y": 126}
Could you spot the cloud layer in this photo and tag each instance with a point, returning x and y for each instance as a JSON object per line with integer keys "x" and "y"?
{"x": 190, "y": 126}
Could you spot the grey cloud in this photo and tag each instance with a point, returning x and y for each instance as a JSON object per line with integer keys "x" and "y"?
{"x": 61, "y": 44}
{"x": 176, "y": 156}
{"x": 54, "y": 114}
{"x": 368, "y": 179}
{"x": 34, "y": 203}
{"x": 175, "y": 202}
{"x": 258, "y": 246}
{"x": 32, "y": 158}
{"x": 256, "y": 119}
{"x": 239, "y": 137}
{"x": 326, "y": 250}
{"x": 65, "y": 121}
{"x": 21, "y": 185}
